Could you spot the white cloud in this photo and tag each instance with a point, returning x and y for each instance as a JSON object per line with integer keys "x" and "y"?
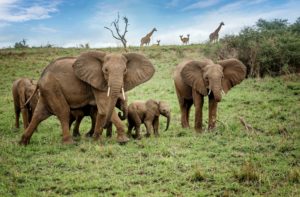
{"x": 201, "y": 4}
{"x": 18, "y": 11}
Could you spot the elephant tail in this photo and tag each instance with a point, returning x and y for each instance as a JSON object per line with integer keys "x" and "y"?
{"x": 34, "y": 92}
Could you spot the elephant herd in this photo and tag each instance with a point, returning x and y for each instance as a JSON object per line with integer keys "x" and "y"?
{"x": 95, "y": 82}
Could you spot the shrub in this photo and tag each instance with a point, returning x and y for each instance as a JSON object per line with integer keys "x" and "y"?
{"x": 21, "y": 44}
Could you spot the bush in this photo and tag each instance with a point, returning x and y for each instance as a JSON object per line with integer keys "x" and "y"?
{"x": 21, "y": 44}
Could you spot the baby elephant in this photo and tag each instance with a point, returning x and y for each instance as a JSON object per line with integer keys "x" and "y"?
{"x": 22, "y": 89}
{"x": 148, "y": 113}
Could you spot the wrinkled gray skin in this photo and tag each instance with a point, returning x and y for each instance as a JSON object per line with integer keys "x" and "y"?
{"x": 196, "y": 79}
{"x": 94, "y": 78}
{"x": 147, "y": 112}
{"x": 22, "y": 89}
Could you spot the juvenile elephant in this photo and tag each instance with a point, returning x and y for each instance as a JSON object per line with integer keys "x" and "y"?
{"x": 94, "y": 78}
{"x": 148, "y": 113}
{"x": 196, "y": 79}
{"x": 22, "y": 89}
{"x": 78, "y": 114}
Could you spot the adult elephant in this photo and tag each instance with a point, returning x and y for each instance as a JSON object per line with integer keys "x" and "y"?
{"x": 196, "y": 79}
{"x": 93, "y": 78}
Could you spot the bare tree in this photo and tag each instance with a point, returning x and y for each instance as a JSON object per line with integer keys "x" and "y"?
{"x": 119, "y": 36}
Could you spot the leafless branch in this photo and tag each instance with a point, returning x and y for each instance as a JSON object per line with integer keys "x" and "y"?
{"x": 118, "y": 35}
{"x": 112, "y": 33}
{"x": 248, "y": 127}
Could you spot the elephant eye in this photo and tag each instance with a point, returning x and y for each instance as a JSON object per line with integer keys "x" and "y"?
{"x": 105, "y": 70}
{"x": 125, "y": 71}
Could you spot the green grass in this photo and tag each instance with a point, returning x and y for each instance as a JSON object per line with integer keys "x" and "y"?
{"x": 230, "y": 161}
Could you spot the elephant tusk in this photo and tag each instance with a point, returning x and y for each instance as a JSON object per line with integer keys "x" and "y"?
{"x": 108, "y": 91}
{"x": 123, "y": 93}
{"x": 223, "y": 92}
{"x": 209, "y": 91}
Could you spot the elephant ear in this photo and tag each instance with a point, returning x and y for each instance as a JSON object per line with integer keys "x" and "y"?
{"x": 234, "y": 72}
{"x": 139, "y": 70}
{"x": 152, "y": 106}
{"x": 88, "y": 68}
{"x": 192, "y": 75}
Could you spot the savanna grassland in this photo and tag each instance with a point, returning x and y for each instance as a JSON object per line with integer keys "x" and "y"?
{"x": 230, "y": 161}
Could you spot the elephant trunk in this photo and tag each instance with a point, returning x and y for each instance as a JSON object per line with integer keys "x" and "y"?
{"x": 217, "y": 94}
{"x": 168, "y": 120}
{"x": 122, "y": 105}
{"x": 114, "y": 91}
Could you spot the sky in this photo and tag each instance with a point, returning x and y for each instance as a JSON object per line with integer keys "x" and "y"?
{"x": 69, "y": 23}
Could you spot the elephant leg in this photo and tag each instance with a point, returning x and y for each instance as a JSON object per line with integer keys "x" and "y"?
{"x": 71, "y": 120}
{"x": 100, "y": 118}
{"x": 17, "y": 113}
{"x": 188, "y": 104}
{"x": 76, "y": 132}
{"x": 121, "y": 136}
{"x": 149, "y": 127}
{"x": 212, "y": 113}
{"x": 198, "y": 102}
{"x": 135, "y": 122}
{"x": 93, "y": 119}
{"x": 184, "y": 122}
{"x": 155, "y": 126}
{"x": 130, "y": 126}
{"x": 109, "y": 130}
{"x": 25, "y": 117}
{"x": 185, "y": 106}
{"x": 59, "y": 106}
{"x": 40, "y": 114}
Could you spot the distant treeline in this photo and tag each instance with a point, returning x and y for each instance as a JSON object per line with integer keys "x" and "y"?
{"x": 268, "y": 48}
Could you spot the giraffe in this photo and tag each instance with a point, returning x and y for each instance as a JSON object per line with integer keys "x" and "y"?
{"x": 146, "y": 40}
{"x": 214, "y": 36}
{"x": 185, "y": 40}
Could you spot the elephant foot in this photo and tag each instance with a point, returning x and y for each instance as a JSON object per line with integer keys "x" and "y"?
{"x": 129, "y": 134}
{"x": 24, "y": 140}
{"x": 147, "y": 135}
{"x": 109, "y": 134}
{"x": 211, "y": 127}
{"x": 156, "y": 134}
{"x": 198, "y": 130}
{"x": 96, "y": 136}
{"x": 122, "y": 139}
{"x": 137, "y": 137}
{"x": 68, "y": 140}
{"x": 185, "y": 126}
{"x": 76, "y": 134}
{"x": 89, "y": 134}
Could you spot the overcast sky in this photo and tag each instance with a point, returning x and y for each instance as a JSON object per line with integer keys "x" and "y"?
{"x": 68, "y": 23}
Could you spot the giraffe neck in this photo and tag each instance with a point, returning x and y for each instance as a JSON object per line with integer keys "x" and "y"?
{"x": 218, "y": 29}
{"x": 150, "y": 34}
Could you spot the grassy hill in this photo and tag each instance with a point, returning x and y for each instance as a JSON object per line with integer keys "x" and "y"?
{"x": 231, "y": 161}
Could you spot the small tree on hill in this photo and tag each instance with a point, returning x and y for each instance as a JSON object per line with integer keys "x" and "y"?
{"x": 21, "y": 44}
{"x": 119, "y": 36}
